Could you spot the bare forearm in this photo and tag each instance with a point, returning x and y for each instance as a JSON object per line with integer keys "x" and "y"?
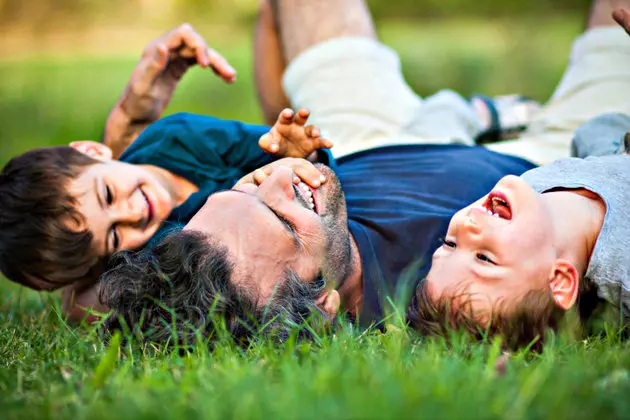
{"x": 121, "y": 131}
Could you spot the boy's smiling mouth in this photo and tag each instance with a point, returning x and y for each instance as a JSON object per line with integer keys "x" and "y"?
{"x": 150, "y": 209}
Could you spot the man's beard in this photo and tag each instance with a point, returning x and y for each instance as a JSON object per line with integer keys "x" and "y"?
{"x": 338, "y": 262}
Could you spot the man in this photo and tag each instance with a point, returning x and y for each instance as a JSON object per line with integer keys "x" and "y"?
{"x": 404, "y": 164}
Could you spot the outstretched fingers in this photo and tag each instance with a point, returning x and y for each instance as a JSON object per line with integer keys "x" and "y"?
{"x": 313, "y": 132}
{"x": 186, "y": 42}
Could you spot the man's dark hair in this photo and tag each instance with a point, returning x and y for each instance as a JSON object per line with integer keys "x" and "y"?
{"x": 39, "y": 247}
{"x": 535, "y": 317}
{"x": 182, "y": 287}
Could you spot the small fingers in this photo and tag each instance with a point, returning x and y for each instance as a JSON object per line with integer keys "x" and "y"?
{"x": 260, "y": 175}
{"x": 269, "y": 144}
{"x": 301, "y": 116}
{"x": 188, "y": 43}
{"x": 321, "y": 143}
{"x": 220, "y": 65}
{"x": 286, "y": 116}
{"x": 309, "y": 174}
{"x": 312, "y": 131}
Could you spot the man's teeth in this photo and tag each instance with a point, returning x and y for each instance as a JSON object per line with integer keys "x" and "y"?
{"x": 308, "y": 193}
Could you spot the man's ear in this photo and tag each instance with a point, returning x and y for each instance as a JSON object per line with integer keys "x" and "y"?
{"x": 93, "y": 149}
{"x": 564, "y": 284}
{"x": 329, "y": 302}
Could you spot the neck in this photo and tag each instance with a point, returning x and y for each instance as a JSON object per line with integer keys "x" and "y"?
{"x": 351, "y": 287}
{"x": 577, "y": 218}
{"x": 179, "y": 188}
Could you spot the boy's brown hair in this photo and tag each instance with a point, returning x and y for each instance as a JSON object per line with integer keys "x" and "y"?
{"x": 528, "y": 325}
{"x": 38, "y": 246}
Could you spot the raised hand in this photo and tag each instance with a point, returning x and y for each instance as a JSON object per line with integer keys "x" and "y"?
{"x": 164, "y": 62}
{"x": 290, "y": 137}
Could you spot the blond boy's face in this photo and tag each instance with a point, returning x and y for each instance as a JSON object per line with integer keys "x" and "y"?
{"x": 495, "y": 251}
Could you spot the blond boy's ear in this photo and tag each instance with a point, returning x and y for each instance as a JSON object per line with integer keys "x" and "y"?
{"x": 564, "y": 284}
{"x": 93, "y": 149}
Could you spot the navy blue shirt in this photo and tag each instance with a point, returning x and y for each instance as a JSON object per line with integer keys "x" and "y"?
{"x": 210, "y": 152}
{"x": 400, "y": 200}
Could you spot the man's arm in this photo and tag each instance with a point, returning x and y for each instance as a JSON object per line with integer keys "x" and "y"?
{"x": 153, "y": 81}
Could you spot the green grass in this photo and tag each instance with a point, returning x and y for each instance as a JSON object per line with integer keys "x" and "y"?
{"x": 51, "y": 370}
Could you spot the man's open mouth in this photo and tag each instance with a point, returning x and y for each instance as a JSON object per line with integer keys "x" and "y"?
{"x": 497, "y": 204}
{"x": 306, "y": 195}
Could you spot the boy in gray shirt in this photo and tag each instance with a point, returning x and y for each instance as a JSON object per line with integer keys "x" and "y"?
{"x": 516, "y": 260}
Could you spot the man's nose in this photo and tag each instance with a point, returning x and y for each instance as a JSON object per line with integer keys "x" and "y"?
{"x": 279, "y": 185}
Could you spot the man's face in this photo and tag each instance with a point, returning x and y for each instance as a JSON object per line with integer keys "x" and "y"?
{"x": 496, "y": 250}
{"x": 123, "y": 205}
{"x": 271, "y": 228}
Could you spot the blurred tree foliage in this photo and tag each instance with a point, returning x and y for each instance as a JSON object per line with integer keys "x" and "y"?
{"x": 43, "y": 15}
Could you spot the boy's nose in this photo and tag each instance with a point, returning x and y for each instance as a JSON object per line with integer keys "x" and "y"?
{"x": 470, "y": 225}
{"x": 133, "y": 212}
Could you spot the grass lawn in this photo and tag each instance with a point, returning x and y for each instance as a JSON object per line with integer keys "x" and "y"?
{"x": 51, "y": 370}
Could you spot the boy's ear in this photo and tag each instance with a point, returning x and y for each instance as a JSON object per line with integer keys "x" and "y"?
{"x": 564, "y": 284}
{"x": 93, "y": 149}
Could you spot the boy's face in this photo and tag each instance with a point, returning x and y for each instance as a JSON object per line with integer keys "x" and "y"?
{"x": 495, "y": 251}
{"x": 123, "y": 205}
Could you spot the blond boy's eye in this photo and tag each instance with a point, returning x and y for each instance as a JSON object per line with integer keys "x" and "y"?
{"x": 447, "y": 243}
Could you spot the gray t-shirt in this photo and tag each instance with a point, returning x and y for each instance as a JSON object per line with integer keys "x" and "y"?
{"x": 608, "y": 177}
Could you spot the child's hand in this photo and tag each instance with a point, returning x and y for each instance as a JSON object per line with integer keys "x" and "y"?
{"x": 304, "y": 170}
{"x": 290, "y": 138}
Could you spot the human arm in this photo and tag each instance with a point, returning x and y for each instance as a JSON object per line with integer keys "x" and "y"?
{"x": 164, "y": 62}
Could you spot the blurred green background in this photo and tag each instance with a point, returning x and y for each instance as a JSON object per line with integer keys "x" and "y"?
{"x": 64, "y": 62}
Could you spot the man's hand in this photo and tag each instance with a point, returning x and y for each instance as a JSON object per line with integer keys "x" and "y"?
{"x": 289, "y": 137}
{"x": 154, "y": 79}
{"x": 304, "y": 170}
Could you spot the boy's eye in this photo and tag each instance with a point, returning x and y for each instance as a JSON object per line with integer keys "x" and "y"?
{"x": 109, "y": 198}
{"x": 484, "y": 258}
{"x": 447, "y": 243}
